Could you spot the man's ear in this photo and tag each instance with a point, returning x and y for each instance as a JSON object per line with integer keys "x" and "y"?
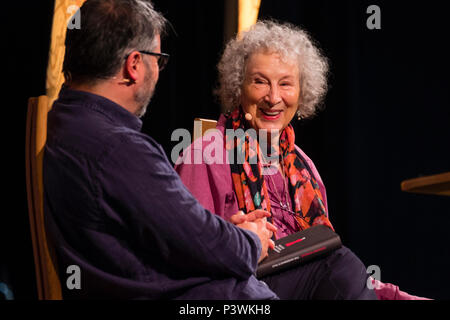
{"x": 132, "y": 65}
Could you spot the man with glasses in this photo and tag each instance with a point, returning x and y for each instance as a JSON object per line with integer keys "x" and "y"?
{"x": 114, "y": 206}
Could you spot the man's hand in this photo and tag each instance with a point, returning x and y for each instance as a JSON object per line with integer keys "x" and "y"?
{"x": 256, "y": 221}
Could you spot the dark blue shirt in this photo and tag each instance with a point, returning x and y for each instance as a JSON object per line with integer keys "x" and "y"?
{"x": 116, "y": 208}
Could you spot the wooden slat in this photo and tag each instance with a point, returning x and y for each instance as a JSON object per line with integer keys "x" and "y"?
{"x": 29, "y": 159}
{"x": 201, "y": 126}
{"x": 61, "y": 15}
{"x": 48, "y": 284}
{"x": 248, "y": 13}
{"x": 438, "y": 184}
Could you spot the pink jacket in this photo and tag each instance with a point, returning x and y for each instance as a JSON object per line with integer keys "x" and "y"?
{"x": 212, "y": 185}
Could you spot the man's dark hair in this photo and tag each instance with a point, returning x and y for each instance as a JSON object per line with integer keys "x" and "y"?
{"x": 109, "y": 30}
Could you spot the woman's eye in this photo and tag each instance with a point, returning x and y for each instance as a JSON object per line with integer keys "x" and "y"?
{"x": 259, "y": 81}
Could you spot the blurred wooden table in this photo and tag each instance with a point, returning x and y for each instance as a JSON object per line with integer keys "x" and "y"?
{"x": 438, "y": 184}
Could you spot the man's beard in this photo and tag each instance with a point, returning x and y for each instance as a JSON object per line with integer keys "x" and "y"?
{"x": 144, "y": 94}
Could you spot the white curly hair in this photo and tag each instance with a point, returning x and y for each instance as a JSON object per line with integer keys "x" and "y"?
{"x": 292, "y": 44}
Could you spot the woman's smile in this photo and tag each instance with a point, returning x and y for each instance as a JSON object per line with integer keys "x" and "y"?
{"x": 271, "y": 115}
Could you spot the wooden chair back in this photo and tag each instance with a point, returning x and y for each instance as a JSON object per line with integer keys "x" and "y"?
{"x": 48, "y": 284}
{"x": 201, "y": 126}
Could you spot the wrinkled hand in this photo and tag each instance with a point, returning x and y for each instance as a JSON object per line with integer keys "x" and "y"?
{"x": 256, "y": 221}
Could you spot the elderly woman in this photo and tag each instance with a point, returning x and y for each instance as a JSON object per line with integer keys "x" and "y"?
{"x": 268, "y": 77}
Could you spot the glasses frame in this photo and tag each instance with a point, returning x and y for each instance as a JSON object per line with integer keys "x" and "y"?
{"x": 162, "y": 58}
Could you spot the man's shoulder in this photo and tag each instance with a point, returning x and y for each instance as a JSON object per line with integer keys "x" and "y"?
{"x": 92, "y": 134}
{"x": 134, "y": 141}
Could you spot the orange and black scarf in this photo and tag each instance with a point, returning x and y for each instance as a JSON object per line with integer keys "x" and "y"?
{"x": 248, "y": 179}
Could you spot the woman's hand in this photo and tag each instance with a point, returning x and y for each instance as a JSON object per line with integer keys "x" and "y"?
{"x": 256, "y": 221}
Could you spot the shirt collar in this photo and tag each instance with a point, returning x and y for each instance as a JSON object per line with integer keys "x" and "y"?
{"x": 112, "y": 110}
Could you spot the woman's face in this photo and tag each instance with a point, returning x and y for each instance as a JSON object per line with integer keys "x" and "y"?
{"x": 270, "y": 91}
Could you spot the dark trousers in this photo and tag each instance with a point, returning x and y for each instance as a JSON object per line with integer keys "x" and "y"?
{"x": 338, "y": 276}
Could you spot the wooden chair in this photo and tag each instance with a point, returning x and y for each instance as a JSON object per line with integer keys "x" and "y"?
{"x": 48, "y": 284}
{"x": 201, "y": 125}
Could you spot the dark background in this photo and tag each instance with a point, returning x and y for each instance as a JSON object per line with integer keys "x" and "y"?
{"x": 386, "y": 120}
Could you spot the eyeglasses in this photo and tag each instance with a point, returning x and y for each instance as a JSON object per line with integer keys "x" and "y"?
{"x": 162, "y": 58}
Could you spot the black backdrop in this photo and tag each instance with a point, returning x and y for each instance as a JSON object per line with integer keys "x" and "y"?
{"x": 386, "y": 120}
{"x": 25, "y": 33}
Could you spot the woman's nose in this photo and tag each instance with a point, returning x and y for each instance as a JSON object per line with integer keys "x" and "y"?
{"x": 273, "y": 97}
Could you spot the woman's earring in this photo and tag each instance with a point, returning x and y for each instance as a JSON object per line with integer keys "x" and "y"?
{"x": 299, "y": 115}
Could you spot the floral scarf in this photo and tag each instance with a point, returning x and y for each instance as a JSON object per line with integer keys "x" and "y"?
{"x": 248, "y": 178}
